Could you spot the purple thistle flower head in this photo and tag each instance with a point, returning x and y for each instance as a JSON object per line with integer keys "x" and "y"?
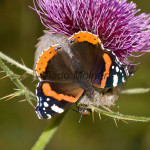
{"x": 115, "y": 22}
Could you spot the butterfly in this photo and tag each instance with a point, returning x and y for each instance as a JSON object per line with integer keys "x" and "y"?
{"x": 66, "y": 72}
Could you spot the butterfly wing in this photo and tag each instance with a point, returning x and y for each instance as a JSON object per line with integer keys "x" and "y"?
{"x": 54, "y": 98}
{"x": 111, "y": 71}
{"x": 87, "y": 48}
{"x": 55, "y": 64}
{"x": 104, "y": 68}
{"x": 57, "y": 89}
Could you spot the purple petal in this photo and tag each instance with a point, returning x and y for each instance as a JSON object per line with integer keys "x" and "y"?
{"x": 115, "y": 22}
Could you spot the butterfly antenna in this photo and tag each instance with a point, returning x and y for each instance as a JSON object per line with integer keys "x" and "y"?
{"x": 80, "y": 118}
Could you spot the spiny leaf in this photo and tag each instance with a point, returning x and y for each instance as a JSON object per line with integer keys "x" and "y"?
{"x": 13, "y": 62}
{"x": 15, "y": 94}
{"x": 14, "y": 78}
{"x": 119, "y": 115}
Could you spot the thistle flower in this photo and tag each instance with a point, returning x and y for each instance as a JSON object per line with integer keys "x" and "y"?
{"x": 115, "y": 22}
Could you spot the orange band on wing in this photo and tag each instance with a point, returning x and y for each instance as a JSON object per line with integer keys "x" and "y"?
{"x": 108, "y": 63}
{"x": 44, "y": 58}
{"x": 49, "y": 92}
{"x": 83, "y": 36}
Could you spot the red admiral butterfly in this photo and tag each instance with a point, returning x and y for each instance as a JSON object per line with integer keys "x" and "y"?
{"x": 66, "y": 72}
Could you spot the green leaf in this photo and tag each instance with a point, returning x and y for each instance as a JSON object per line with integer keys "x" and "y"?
{"x": 17, "y": 82}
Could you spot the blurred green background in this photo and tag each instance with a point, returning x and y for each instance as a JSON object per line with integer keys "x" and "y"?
{"x": 20, "y": 27}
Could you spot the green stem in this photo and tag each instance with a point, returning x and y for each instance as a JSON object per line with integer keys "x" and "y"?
{"x": 16, "y": 81}
{"x": 136, "y": 91}
{"x": 48, "y": 133}
{"x": 120, "y": 116}
{"x": 10, "y": 60}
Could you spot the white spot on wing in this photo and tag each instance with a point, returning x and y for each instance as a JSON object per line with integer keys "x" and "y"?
{"x": 39, "y": 114}
{"x": 127, "y": 72}
{"x": 49, "y": 116}
{"x": 123, "y": 80}
{"x": 48, "y": 99}
{"x": 57, "y": 109}
{"x": 38, "y": 101}
{"x": 46, "y": 104}
{"x": 115, "y": 80}
{"x": 40, "y": 104}
{"x": 112, "y": 67}
{"x": 117, "y": 69}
